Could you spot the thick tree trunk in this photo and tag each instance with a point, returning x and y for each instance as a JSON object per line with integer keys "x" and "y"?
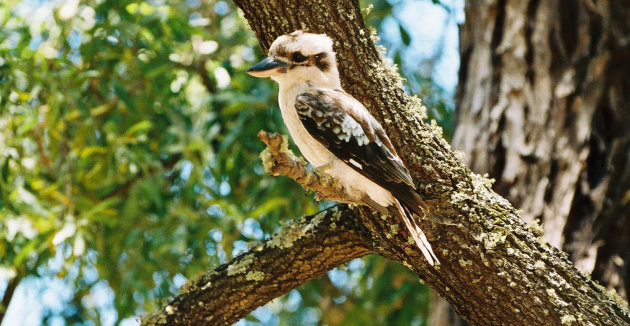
{"x": 543, "y": 106}
{"x": 494, "y": 270}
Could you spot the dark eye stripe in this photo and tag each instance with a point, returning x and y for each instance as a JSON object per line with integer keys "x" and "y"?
{"x": 298, "y": 57}
{"x": 321, "y": 61}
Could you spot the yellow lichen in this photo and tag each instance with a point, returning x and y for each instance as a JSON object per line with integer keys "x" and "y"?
{"x": 464, "y": 263}
{"x": 255, "y": 276}
{"x": 295, "y": 231}
{"x": 241, "y": 266}
{"x": 267, "y": 160}
{"x": 316, "y": 220}
{"x": 555, "y": 298}
{"x": 459, "y": 155}
{"x": 417, "y": 108}
{"x": 366, "y": 12}
{"x": 568, "y": 320}
{"x": 286, "y": 236}
{"x": 493, "y": 239}
{"x": 534, "y": 226}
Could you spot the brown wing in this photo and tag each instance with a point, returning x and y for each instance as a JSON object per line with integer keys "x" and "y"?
{"x": 337, "y": 122}
{"x": 359, "y": 113}
{"x": 347, "y": 130}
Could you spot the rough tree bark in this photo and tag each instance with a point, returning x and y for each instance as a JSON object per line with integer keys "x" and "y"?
{"x": 543, "y": 106}
{"x": 494, "y": 270}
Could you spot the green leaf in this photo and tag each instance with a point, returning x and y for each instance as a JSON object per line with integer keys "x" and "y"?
{"x": 123, "y": 94}
{"x": 103, "y": 206}
{"x": 404, "y": 35}
{"x": 140, "y": 127}
{"x": 269, "y": 205}
{"x": 90, "y": 150}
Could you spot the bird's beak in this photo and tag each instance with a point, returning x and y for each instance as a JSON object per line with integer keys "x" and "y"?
{"x": 266, "y": 68}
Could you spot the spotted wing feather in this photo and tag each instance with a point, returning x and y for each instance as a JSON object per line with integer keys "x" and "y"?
{"x": 355, "y": 137}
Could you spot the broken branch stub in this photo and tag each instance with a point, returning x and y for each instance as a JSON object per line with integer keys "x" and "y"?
{"x": 279, "y": 160}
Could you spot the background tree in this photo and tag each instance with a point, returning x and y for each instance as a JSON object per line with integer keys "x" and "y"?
{"x": 542, "y": 108}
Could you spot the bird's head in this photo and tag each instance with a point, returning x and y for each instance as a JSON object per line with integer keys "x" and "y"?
{"x": 300, "y": 57}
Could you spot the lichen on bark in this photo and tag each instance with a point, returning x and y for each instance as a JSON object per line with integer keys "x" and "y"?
{"x": 494, "y": 269}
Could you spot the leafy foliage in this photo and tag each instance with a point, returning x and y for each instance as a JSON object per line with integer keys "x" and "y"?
{"x": 129, "y": 160}
{"x": 129, "y": 145}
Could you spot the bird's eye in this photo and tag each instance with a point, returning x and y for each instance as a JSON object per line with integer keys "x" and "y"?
{"x": 298, "y": 57}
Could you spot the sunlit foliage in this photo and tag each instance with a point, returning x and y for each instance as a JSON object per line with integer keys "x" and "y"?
{"x": 128, "y": 145}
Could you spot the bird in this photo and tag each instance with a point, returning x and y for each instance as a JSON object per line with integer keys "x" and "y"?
{"x": 336, "y": 133}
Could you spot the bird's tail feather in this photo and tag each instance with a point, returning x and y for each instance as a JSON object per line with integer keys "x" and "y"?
{"x": 417, "y": 234}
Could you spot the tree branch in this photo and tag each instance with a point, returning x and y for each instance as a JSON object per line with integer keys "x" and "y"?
{"x": 299, "y": 252}
{"x": 279, "y": 160}
{"x": 8, "y": 295}
{"x": 495, "y": 269}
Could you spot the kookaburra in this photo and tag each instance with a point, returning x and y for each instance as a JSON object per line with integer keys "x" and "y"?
{"x": 336, "y": 133}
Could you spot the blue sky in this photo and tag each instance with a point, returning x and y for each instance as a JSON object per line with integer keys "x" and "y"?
{"x": 428, "y": 25}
